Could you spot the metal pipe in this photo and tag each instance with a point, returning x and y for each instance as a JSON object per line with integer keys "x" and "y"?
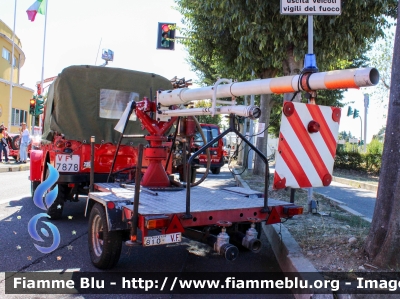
{"x": 229, "y": 251}
{"x": 232, "y": 128}
{"x": 92, "y": 141}
{"x": 253, "y": 112}
{"x": 351, "y": 78}
{"x": 253, "y": 245}
{"x": 135, "y": 216}
{"x": 173, "y": 144}
{"x": 133, "y": 106}
{"x": 310, "y": 34}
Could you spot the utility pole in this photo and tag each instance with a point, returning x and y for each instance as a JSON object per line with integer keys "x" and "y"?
{"x": 366, "y": 104}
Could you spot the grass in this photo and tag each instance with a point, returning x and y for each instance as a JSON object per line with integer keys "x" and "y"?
{"x": 352, "y": 220}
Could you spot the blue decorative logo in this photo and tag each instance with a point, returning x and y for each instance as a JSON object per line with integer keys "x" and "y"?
{"x": 50, "y": 197}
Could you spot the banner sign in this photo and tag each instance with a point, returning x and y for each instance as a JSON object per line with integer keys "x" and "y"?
{"x": 311, "y": 7}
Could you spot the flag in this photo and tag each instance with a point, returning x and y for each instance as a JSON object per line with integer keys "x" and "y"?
{"x": 38, "y": 7}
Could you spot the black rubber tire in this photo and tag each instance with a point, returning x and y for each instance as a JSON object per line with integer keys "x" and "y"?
{"x": 103, "y": 253}
{"x": 54, "y": 211}
{"x": 215, "y": 170}
{"x": 15, "y": 142}
{"x": 34, "y": 185}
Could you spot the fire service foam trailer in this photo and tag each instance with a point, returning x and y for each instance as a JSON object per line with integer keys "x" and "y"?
{"x": 148, "y": 207}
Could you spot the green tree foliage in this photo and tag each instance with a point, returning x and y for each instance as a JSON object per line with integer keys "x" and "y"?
{"x": 345, "y": 136}
{"x": 381, "y": 57}
{"x": 234, "y": 38}
{"x": 381, "y": 134}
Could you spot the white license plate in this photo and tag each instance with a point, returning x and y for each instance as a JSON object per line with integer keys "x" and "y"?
{"x": 67, "y": 163}
{"x": 162, "y": 239}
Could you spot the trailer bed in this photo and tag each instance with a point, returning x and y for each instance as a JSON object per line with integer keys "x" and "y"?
{"x": 174, "y": 202}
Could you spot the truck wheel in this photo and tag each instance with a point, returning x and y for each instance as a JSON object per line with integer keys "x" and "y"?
{"x": 56, "y": 209}
{"x": 104, "y": 246}
{"x": 215, "y": 170}
{"x": 15, "y": 143}
{"x": 34, "y": 185}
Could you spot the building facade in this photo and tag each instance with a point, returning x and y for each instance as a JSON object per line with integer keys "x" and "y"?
{"x": 20, "y": 94}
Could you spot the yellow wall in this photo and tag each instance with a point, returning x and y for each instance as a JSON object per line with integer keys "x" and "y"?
{"x": 5, "y": 42}
{"x": 4, "y": 29}
{"x": 20, "y": 95}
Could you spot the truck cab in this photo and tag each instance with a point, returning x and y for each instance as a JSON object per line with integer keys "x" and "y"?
{"x": 210, "y": 131}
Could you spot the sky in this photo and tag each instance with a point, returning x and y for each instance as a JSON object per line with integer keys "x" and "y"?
{"x": 375, "y": 113}
{"x": 77, "y": 29}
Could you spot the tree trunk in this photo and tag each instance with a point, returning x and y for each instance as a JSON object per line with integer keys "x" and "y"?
{"x": 383, "y": 241}
{"x": 291, "y": 67}
{"x": 266, "y": 104}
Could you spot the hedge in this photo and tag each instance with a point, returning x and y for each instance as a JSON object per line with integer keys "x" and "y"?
{"x": 357, "y": 161}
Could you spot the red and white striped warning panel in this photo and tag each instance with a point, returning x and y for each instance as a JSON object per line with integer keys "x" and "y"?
{"x": 307, "y": 145}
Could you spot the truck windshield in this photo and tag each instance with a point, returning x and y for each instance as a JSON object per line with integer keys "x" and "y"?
{"x": 210, "y": 133}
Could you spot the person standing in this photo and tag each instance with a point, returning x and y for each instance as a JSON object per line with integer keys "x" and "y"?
{"x": 3, "y": 145}
{"x": 23, "y": 148}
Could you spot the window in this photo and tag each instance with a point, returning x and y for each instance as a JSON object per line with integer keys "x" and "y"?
{"x": 114, "y": 102}
{"x": 18, "y": 116}
{"x": 6, "y": 54}
{"x": 15, "y": 62}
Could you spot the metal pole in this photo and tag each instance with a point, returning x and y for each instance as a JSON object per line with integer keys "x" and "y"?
{"x": 138, "y": 176}
{"x": 44, "y": 47}
{"x": 12, "y": 71}
{"x": 366, "y": 104}
{"x": 361, "y": 127}
{"x": 310, "y": 34}
{"x": 252, "y": 138}
{"x": 92, "y": 142}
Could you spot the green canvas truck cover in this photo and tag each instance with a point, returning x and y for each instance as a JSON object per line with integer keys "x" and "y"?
{"x": 87, "y": 101}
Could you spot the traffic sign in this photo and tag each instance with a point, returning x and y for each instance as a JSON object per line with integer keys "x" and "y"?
{"x": 307, "y": 146}
{"x": 311, "y": 7}
{"x": 353, "y": 140}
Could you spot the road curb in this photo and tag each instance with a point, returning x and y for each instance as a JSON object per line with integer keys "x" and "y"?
{"x": 13, "y": 168}
{"x": 287, "y": 252}
{"x": 355, "y": 184}
{"x": 341, "y": 205}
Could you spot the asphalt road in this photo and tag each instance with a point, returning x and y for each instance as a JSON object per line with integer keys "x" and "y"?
{"x": 360, "y": 200}
{"x": 18, "y": 252}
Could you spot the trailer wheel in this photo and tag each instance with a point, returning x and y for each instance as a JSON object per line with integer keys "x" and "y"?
{"x": 215, "y": 170}
{"x": 104, "y": 246}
